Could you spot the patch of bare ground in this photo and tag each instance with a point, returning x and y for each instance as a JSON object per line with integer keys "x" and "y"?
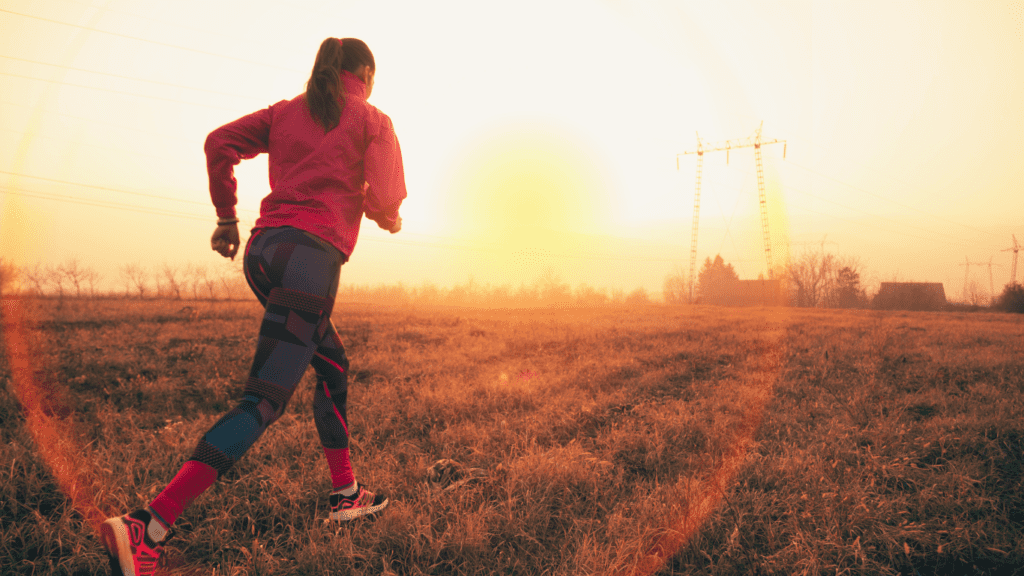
{"x": 652, "y": 440}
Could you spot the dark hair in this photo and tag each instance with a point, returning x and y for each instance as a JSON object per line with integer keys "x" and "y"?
{"x": 324, "y": 93}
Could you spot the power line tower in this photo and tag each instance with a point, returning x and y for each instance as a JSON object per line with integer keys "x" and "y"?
{"x": 1013, "y": 267}
{"x": 991, "y": 284}
{"x": 754, "y": 141}
{"x": 967, "y": 273}
{"x": 822, "y": 243}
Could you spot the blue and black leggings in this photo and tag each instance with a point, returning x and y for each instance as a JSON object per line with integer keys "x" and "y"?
{"x": 295, "y": 276}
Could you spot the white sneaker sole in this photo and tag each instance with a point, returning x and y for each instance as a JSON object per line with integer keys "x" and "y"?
{"x": 353, "y": 513}
{"x": 114, "y": 538}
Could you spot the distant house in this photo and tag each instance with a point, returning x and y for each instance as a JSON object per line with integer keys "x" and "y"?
{"x": 910, "y": 296}
{"x": 747, "y": 293}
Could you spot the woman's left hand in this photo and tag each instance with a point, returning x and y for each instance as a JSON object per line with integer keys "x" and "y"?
{"x": 225, "y": 240}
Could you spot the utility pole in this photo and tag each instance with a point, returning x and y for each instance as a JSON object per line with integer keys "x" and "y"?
{"x": 1013, "y": 267}
{"x": 754, "y": 140}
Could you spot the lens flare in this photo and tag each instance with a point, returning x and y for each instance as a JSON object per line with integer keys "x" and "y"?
{"x": 708, "y": 494}
{"x": 64, "y": 456}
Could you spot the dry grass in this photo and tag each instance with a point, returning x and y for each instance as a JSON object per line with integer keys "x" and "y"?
{"x": 652, "y": 440}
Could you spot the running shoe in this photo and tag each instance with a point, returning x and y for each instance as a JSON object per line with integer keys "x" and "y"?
{"x": 130, "y": 543}
{"x": 362, "y": 503}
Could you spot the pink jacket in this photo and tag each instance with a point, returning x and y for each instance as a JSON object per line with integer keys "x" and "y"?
{"x": 320, "y": 183}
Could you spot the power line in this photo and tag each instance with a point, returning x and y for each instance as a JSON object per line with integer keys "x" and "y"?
{"x": 899, "y": 232}
{"x": 100, "y": 122}
{"x": 62, "y": 83}
{"x": 91, "y": 145}
{"x": 861, "y": 224}
{"x": 141, "y": 17}
{"x": 75, "y": 200}
{"x": 876, "y": 227}
{"x": 132, "y": 79}
{"x": 203, "y": 52}
{"x": 851, "y": 186}
{"x": 880, "y": 197}
{"x": 897, "y": 222}
{"x": 206, "y": 204}
{"x": 153, "y": 211}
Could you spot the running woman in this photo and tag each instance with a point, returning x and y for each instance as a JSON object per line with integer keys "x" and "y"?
{"x": 333, "y": 158}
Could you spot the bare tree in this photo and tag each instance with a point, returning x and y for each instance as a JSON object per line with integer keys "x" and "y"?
{"x": 586, "y": 295}
{"x": 36, "y": 276}
{"x": 173, "y": 277}
{"x": 674, "y": 290}
{"x": 638, "y": 297}
{"x": 73, "y": 273}
{"x": 431, "y": 294}
{"x": 819, "y": 279}
{"x": 225, "y": 282}
{"x": 92, "y": 277}
{"x": 975, "y": 294}
{"x": 232, "y": 280}
{"x": 552, "y": 289}
{"x": 134, "y": 276}
{"x": 618, "y": 296}
{"x": 809, "y": 275}
{"x": 55, "y": 278}
{"x": 8, "y": 276}
{"x": 192, "y": 281}
{"x": 208, "y": 281}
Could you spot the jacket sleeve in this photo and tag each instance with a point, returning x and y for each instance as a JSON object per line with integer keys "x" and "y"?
{"x": 227, "y": 146}
{"x": 384, "y": 174}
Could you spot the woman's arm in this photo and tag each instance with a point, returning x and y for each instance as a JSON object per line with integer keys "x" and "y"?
{"x": 385, "y": 176}
{"x": 227, "y": 146}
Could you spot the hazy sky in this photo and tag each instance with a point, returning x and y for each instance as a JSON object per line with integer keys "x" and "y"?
{"x": 537, "y": 134}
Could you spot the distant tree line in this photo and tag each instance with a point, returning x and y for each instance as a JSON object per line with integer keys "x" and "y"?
{"x": 193, "y": 282}
{"x": 546, "y": 291}
{"x": 1012, "y": 299}
{"x": 815, "y": 279}
{"x": 72, "y": 278}
{"x": 812, "y": 280}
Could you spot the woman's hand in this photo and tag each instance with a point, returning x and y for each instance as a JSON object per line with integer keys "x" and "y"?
{"x": 225, "y": 240}
{"x": 398, "y": 226}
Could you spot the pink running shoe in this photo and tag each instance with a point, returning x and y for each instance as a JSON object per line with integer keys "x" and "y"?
{"x": 131, "y": 545}
{"x": 362, "y": 503}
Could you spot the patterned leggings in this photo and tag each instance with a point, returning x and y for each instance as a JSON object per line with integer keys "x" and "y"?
{"x": 295, "y": 276}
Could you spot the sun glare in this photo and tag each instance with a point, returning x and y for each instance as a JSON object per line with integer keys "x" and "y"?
{"x": 529, "y": 195}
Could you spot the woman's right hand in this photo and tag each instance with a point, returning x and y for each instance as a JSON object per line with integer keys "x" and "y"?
{"x": 398, "y": 226}
{"x": 225, "y": 240}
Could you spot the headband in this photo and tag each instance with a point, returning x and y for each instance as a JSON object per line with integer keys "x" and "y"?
{"x": 340, "y": 43}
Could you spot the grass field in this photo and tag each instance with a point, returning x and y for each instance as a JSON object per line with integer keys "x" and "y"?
{"x": 652, "y": 440}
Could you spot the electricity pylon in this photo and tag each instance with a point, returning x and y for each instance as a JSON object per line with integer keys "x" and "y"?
{"x": 754, "y": 140}
{"x": 1013, "y": 267}
{"x": 822, "y": 243}
{"x": 967, "y": 273}
{"x": 991, "y": 284}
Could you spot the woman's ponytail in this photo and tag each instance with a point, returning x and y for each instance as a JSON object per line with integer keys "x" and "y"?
{"x": 324, "y": 93}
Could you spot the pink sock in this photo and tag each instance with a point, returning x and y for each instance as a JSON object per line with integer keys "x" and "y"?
{"x": 341, "y": 467}
{"x": 192, "y": 480}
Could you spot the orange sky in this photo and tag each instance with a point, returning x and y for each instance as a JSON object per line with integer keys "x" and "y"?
{"x": 537, "y": 135}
